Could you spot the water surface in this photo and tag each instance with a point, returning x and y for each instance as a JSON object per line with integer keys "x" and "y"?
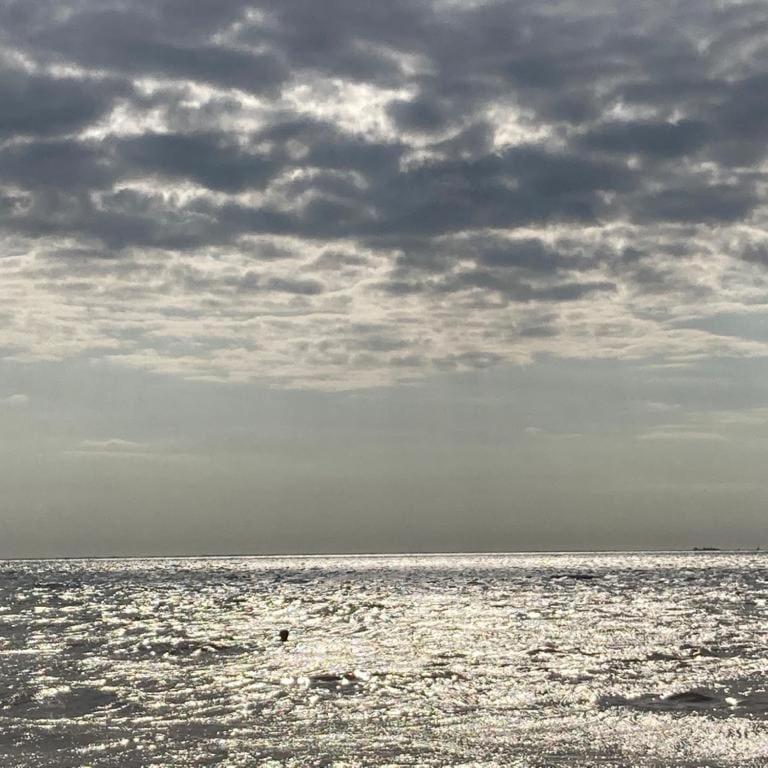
{"x": 470, "y": 660}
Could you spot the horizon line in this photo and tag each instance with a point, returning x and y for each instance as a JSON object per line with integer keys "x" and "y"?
{"x": 297, "y": 555}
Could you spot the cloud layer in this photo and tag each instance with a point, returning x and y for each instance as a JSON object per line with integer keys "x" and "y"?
{"x": 351, "y": 193}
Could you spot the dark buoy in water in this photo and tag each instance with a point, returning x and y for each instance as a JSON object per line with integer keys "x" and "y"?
{"x": 283, "y": 635}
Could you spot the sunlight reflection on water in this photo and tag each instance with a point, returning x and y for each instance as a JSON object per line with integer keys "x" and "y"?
{"x": 482, "y": 660}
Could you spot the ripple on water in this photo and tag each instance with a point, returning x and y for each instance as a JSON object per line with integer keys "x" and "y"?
{"x": 748, "y": 699}
{"x": 635, "y": 660}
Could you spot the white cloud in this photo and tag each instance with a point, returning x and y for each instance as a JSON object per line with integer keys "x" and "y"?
{"x": 119, "y": 448}
{"x": 534, "y": 431}
{"x": 112, "y": 444}
{"x": 682, "y": 434}
{"x": 659, "y": 407}
{"x": 15, "y": 401}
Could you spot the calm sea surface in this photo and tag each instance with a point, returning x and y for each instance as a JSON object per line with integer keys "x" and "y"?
{"x": 493, "y": 660}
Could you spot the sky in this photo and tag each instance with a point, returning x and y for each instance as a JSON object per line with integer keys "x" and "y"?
{"x": 363, "y": 276}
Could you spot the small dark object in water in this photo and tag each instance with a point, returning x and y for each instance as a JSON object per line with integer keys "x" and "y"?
{"x": 283, "y": 635}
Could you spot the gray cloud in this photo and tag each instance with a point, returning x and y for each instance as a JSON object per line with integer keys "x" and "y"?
{"x": 147, "y": 40}
{"x": 204, "y": 159}
{"x": 420, "y": 114}
{"x": 426, "y": 160}
{"x": 530, "y": 254}
{"x": 56, "y": 164}
{"x": 656, "y": 139}
{"x": 46, "y": 106}
{"x": 705, "y": 203}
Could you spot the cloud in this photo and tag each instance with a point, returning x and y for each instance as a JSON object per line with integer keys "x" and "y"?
{"x": 111, "y": 445}
{"x": 40, "y": 105}
{"x": 421, "y": 115}
{"x": 146, "y": 43}
{"x": 662, "y": 140}
{"x": 233, "y": 191}
{"x": 59, "y": 164}
{"x": 681, "y": 434}
{"x": 203, "y": 159}
{"x": 116, "y": 448}
{"x": 660, "y": 407}
{"x": 15, "y": 401}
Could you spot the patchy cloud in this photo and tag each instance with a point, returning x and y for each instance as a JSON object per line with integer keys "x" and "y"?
{"x": 14, "y": 401}
{"x": 121, "y": 449}
{"x": 680, "y": 434}
{"x": 356, "y": 194}
{"x": 111, "y": 445}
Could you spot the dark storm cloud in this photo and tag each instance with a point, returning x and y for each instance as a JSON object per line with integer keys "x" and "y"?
{"x": 346, "y": 38}
{"x": 524, "y": 185}
{"x": 519, "y": 270}
{"x": 570, "y": 67}
{"x": 401, "y": 144}
{"x": 46, "y": 106}
{"x": 700, "y": 203}
{"x": 529, "y": 254}
{"x": 473, "y": 141}
{"x": 144, "y": 39}
{"x": 207, "y": 160}
{"x": 424, "y": 115}
{"x": 502, "y": 254}
{"x": 330, "y": 148}
{"x": 117, "y": 220}
{"x": 56, "y": 164}
{"x": 741, "y": 120}
{"x": 655, "y": 139}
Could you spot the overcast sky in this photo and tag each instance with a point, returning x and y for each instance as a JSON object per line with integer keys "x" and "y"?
{"x": 353, "y": 275}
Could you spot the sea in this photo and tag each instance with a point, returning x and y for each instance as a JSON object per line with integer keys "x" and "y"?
{"x": 529, "y": 660}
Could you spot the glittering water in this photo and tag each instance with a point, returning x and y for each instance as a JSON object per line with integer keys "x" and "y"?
{"x": 495, "y": 660}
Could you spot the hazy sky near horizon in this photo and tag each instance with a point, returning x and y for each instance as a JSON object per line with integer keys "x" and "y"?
{"x": 347, "y": 275}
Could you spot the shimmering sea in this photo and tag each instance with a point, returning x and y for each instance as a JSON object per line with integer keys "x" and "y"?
{"x": 610, "y": 659}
